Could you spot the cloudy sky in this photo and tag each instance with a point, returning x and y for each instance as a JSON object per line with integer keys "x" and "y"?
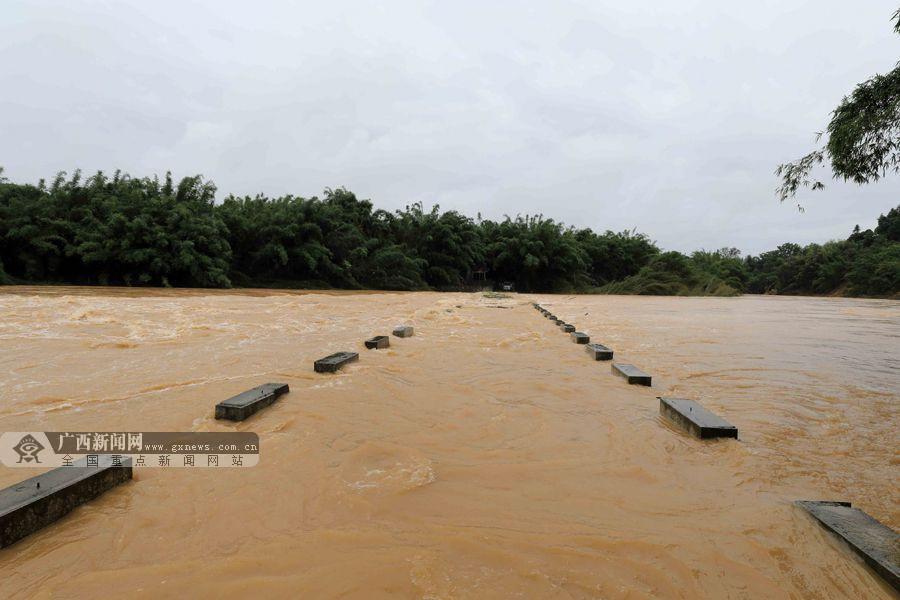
{"x": 665, "y": 116}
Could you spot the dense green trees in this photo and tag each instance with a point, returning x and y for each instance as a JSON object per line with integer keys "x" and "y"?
{"x": 535, "y": 253}
{"x": 447, "y": 246}
{"x": 119, "y": 230}
{"x": 674, "y": 274}
{"x": 126, "y": 231}
{"x": 865, "y": 264}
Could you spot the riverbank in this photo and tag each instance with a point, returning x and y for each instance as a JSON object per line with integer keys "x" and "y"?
{"x": 611, "y": 290}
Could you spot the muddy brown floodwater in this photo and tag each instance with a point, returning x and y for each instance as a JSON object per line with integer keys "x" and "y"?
{"x": 485, "y": 457}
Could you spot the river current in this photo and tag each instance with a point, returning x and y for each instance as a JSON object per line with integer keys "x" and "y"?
{"x": 486, "y": 456}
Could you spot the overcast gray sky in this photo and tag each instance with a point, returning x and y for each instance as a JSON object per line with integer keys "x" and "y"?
{"x": 661, "y": 115}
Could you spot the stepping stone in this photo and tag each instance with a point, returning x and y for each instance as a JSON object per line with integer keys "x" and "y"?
{"x": 404, "y": 331}
{"x": 631, "y": 373}
{"x": 378, "y": 342}
{"x": 32, "y": 504}
{"x": 696, "y": 419}
{"x": 876, "y": 543}
{"x": 566, "y": 327}
{"x": 238, "y": 408}
{"x": 580, "y": 338}
{"x": 599, "y": 352}
{"x": 333, "y": 362}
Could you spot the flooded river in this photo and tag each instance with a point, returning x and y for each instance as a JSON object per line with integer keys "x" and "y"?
{"x": 485, "y": 457}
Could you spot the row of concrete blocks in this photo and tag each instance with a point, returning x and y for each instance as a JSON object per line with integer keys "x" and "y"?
{"x": 596, "y": 351}
{"x": 333, "y": 362}
{"x": 877, "y": 544}
{"x": 37, "y": 502}
{"x": 245, "y": 404}
{"x": 686, "y": 413}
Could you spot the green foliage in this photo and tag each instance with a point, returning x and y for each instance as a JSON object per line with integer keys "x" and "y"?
{"x": 280, "y": 239}
{"x": 724, "y": 265}
{"x": 449, "y": 244}
{"x": 114, "y": 231}
{"x": 876, "y": 272}
{"x": 614, "y": 256}
{"x": 143, "y": 232}
{"x": 125, "y": 231}
{"x": 889, "y": 225}
{"x": 673, "y": 274}
{"x": 863, "y": 140}
{"x": 867, "y": 263}
{"x": 536, "y": 253}
{"x": 863, "y": 137}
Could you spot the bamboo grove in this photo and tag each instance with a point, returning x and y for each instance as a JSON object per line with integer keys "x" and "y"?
{"x": 121, "y": 230}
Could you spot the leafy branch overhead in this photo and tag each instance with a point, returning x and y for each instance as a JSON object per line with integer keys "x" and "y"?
{"x": 863, "y": 137}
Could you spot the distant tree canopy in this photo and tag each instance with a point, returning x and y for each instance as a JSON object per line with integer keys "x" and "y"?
{"x": 866, "y": 264}
{"x": 863, "y": 137}
{"x": 121, "y": 230}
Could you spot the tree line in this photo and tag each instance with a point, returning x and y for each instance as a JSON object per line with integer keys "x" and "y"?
{"x": 121, "y": 230}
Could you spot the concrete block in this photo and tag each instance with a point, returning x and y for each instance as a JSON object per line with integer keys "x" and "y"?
{"x": 403, "y": 331}
{"x": 631, "y": 373}
{"x": 877, "y": 544}
{"x": 37, "y": 502}
{"x": 238, "y": 408}
{"x": 566, "y": 327}
{"x": 599, "y": 352}
{"x": 694, "y": 418}
{"x": 378, "y": 342}
{"x": 333, "y": 362}
{"x": 580, "y": 338}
